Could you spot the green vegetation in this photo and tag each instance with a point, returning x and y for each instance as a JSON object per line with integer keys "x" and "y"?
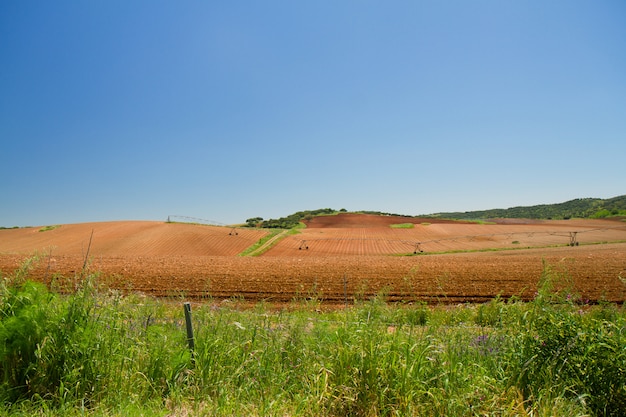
{"x": 479, "y": 221}
{"x": 261, "y": 242}
{"x": 47, "y": 228}
{"x": 254, "y": 222}
{"x": 292, "y": 220}
{"x": 270, "y": 240}
{"x": 98, "y": 353}
{"x": 578, "y": 208}
{"x": 402, "y": 226}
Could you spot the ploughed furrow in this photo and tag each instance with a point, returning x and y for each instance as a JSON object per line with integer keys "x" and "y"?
{"x": 594, "y": 271}
{"x": 329, "y": 263}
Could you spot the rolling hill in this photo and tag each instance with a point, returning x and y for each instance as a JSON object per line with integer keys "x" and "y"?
{"x": 583, "y": 208}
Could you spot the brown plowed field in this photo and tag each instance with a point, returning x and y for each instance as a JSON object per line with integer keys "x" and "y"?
{"x": 348, "y": 256}
{"x": 130, "y": 238}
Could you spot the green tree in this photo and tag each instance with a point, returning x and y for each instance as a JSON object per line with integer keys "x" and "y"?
{"x": 254, "y": 221}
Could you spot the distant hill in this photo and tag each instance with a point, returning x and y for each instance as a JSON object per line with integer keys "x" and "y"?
{"x": 578, "y": 208}
{"x": 583, "y": 208}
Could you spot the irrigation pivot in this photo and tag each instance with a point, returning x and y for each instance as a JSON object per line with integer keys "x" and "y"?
{"x": 417, "y": 248}
{"x": 186, "y": 219}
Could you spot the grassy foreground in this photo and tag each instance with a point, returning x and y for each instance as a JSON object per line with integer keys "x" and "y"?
{"x": 98, "y": 353}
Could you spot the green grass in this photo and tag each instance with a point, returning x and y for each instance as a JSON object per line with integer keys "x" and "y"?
{"x": 402, "y": 226}
{"x": 270, "y": 240}
{"x": 254, "y": 249}
{"x": 98, "y": 353}
{"x": 47, "y": 228}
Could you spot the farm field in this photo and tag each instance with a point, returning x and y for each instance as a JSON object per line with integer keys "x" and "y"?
{"x": 349, "y": 256}
{"x": 363, "y": 234}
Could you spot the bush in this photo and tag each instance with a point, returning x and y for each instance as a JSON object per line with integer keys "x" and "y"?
{"x": 562, "y": 352}
{"x": 81, "y": 348}
{"x": 26, "y": 319}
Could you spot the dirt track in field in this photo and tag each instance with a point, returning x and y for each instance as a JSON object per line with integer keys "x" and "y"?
{"x": 349, "y": 256}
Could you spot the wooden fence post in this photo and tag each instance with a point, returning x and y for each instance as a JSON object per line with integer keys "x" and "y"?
{"x": 190, "y": 339}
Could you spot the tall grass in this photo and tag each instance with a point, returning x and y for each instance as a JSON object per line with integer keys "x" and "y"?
{"x": 95, "y": 352}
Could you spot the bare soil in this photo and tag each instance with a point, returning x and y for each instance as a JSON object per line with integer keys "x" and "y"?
{"x": 349, "y": 257}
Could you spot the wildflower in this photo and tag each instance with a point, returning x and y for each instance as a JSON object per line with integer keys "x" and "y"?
{"x": 484, "y": 344}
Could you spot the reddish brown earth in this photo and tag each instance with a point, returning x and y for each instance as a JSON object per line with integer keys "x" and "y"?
{"x": 348, "y": 256}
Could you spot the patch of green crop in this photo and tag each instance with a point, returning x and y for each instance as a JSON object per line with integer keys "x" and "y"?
{"x": 402, "y": 226}
{"x": 47, "y": 228}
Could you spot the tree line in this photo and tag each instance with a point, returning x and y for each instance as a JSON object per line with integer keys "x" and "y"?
{"x": 290, "y": 221}
{"x": 577, "y": 208}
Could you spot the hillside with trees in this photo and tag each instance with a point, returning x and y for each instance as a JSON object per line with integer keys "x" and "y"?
{"x": 290, "y": 221}
{"x": 577, "y": 208}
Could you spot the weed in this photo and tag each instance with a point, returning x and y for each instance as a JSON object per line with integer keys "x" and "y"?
{"x": 94, "y": 352}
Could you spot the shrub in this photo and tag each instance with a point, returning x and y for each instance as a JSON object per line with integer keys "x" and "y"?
{"x": 26, "y": 318}
{"x": 564, "y": 353}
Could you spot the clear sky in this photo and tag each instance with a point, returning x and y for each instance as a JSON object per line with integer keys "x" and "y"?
{"x": 136, "y": 110}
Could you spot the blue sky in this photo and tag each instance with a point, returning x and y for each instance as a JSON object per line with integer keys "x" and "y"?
{"x": 119, "y": 110}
